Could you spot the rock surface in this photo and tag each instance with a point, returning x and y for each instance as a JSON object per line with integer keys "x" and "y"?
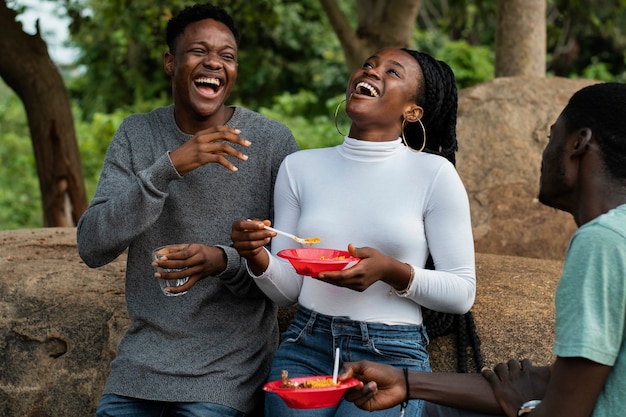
{"x": 60, "y": 321}
{"x": 502, "y": 129}
{"x": 60, "y": 324}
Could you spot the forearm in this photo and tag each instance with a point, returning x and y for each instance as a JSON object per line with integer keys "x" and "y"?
{"x": 465, "y": 391}
{"x": 125, "y": 206}
{"x": 280, "y": 282}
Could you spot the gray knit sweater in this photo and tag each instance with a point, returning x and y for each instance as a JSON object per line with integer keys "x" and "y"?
{"x": 214, "y": 343}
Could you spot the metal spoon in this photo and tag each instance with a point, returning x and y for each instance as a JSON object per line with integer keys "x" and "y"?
{"x": 304, "y": 241}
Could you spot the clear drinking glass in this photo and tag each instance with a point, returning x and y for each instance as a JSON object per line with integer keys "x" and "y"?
{"x": 164, "y": 283}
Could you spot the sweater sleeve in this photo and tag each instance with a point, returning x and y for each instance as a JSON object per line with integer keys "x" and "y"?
{"x": 125, "y": 203}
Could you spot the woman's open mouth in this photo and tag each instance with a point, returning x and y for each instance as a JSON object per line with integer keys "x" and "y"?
{"x": 366, "y": 89}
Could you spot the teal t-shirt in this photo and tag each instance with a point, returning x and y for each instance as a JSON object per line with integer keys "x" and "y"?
{"x": 591, "y": 304}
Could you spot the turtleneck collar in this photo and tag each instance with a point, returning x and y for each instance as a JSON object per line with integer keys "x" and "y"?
{"x": 363, "y": 150}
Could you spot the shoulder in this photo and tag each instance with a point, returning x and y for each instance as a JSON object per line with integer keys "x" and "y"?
{"x": 615, "y": 221}
{"x": 433, "y": 160}
{"x": 160, "y": 115}
{"x": 310, "y": 155}
{"x": 599, "y": 245}
{"x": 431, "y": 165}
{"x": 608, "y": 229}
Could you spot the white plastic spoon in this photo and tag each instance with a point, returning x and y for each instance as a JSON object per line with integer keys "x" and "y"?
{"x": 304, "y": 241}
{"x": 336, "y": 367}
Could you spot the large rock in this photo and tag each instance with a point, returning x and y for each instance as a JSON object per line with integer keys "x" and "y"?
{"x": 59, "y": 327}
{"x": 61, "y": 321}
{"x": 503, "y": 127}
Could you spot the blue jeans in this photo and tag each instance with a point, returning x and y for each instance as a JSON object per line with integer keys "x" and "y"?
{"x": 308, "y": 347}
{"x": 112, "y": 405}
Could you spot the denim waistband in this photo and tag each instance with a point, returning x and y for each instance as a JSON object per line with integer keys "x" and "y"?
{"x": 344, "y": 326}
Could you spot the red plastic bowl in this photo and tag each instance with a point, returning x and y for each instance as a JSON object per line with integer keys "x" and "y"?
{"x": 311, "y": 397}
{"x": 312, "y": 261}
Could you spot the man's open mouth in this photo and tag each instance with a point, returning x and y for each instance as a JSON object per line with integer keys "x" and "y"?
{"x": 213, "y": 84}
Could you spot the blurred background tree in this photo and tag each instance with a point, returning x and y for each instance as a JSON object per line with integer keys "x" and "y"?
{"x": 292, "y": 67}
{"x": 28, "y": 70}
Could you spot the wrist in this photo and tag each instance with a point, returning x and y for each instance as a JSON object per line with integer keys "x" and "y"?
{"x": 405, "y": 292}
{"x": 223, "y": 264}
{"x": 527, "y": 407}
{"x": 407, "y": 396}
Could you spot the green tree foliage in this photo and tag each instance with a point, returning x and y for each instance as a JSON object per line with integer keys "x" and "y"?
{"x": 585, "y": 38}
{"x": 472, "y": 64}
{"x": 472, "y": 21}
{"x": 121, "y": 47}
{"x": 588, "y": 38}
{"x": 310, "y": 130}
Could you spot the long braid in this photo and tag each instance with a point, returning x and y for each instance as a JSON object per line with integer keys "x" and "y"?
{"x": 474, "y": 341}
{"x": 462, "y": 325}
{"x": 439, "y": 99}
{"x": 461, "y": 343}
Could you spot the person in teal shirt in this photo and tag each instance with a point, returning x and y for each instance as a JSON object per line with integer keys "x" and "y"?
{"x": 583, "y": 173}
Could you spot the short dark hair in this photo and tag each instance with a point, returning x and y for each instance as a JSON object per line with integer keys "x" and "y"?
{"x": 600, "y": 107}
{"x": 177, "y": 24}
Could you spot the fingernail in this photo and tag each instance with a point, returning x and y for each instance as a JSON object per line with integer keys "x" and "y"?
{"x": 245, "y": 157}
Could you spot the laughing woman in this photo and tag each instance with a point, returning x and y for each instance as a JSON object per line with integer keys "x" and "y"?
{"x": 391, "y": 195}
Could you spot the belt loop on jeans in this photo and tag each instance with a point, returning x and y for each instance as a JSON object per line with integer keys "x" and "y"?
{"x": 311, "y": 322}
{"x": 365, "y": 335}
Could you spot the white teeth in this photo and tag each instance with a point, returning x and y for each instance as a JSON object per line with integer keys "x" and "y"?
{"x": 373, "y": 92}
{"x": 206, "y": 80}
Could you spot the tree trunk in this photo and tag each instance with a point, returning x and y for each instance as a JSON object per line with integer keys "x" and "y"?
{"x": 380, "y": 24}
{"x": 521, "y": 38}
{"x": 27, "y": 68}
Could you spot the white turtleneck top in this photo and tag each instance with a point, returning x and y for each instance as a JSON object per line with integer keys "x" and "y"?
{"x": 382, "y": 195}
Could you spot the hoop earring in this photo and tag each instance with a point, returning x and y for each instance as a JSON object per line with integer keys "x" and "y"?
{"x": 404, "y": 138}
{"x": 336, "y": 113}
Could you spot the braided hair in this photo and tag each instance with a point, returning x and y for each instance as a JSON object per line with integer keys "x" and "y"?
{"x": 600, "y": 108}
{"x": 438, "y": 96}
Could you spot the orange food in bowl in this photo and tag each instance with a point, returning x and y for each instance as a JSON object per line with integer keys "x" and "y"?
{"x": 335, "y": 258}
{"x": 309, "y": 383}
